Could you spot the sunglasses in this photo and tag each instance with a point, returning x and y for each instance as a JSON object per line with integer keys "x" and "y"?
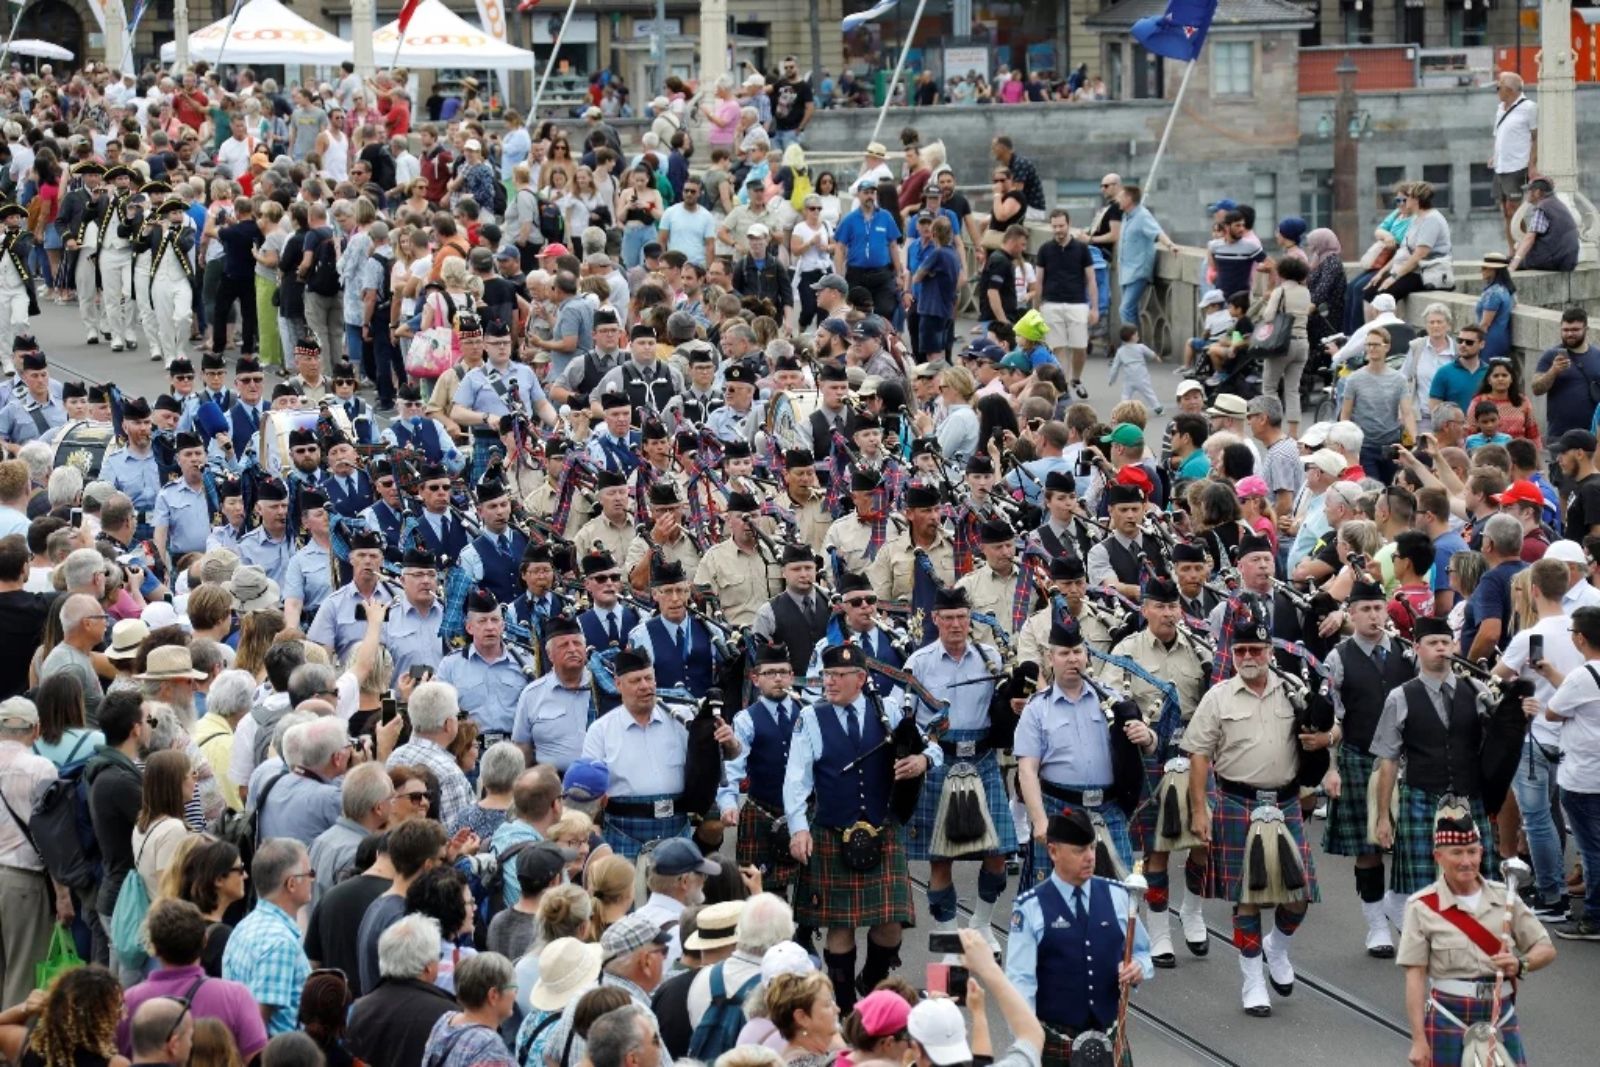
{"x": 415, "y": 797}
{"x": 860, "y": 601}
{"x": 250, "y": 379}
{"x": 606, "y": 578}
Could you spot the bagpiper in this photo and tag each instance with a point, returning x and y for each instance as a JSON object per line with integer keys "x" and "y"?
{"x": 765, "y": 729}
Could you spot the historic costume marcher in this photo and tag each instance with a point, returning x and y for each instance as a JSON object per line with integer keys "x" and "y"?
{"x": 1462, "y": 935}
{"x": 169, "y": 283}
{"x": 18, "y": 300}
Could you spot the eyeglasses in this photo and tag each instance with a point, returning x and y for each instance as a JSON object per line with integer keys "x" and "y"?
{"x": 1252, "y": 651}
{"x": 250, "y": 379}
{"x": 310, "y": 875}
{"x": 237, "y": 868}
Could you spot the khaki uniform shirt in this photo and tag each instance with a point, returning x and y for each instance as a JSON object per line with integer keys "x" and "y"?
{"x": 443, "y": 397}
{"x": 850, "y": 536}
{"x": 742, "y": 581}
{"x": 891, "y": 573}
{"x": 992, "y": 594}
{"x": 1430, "y": 940}
{"x": 1249, "y": 739}
{"x": 1178, "y": 665}
{"x": 617, "y": 540}
{"x": 1033, "y": 642}
{"x": 811, "y": 521}
{"x": 682, "y": 551}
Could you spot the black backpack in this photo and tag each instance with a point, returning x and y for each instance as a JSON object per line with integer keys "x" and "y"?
{"x": 241, "y": 829}
{"x": 499, "y": 199}
{"x": 385, "y": 301}
{"x": 59, "y": 827}
{"x": 324, "y": 279}
{"x": 551, "y": 223}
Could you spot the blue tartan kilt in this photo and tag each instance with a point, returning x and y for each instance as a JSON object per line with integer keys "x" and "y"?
{"x": 481, "y": 446}
{"x": 1446, "y": 1040}
{"x": 629, "y": 834}
{"x": 1036, "y": 865}
{"x": 919, "y": 831}
{"x": 1413, "y": 868}
{"x": 1230, "y": 827}
{"x": 1142, "y": 827}
{"x": 1346, "y": 834}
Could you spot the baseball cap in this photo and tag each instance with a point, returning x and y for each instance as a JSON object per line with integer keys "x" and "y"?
{"x": 1383, "y": 302}
{"x": 758, "y": 230}
{"x": 1018, "y": 362}
{"x": 985, "y": 349}
{"x": 1521, "y": 491}
{"x": 831, "y": 281}
{"x": 678, "y": 855}
{"x": 1327, "y": 461}
{"x": 542, "y": 863}
{"x": 1315, "y": 434}
{"x": 1582, "y": 440}
{"x": 1561, "y": 551}
{"x": 633, "y": 932}
{"x": 472, "y": 145}
{"x": 1225, "y": 204}
{"x": 883, "y": 1012}
{"x": 552, "y": 250}
{"x": 18, "y": 713}
{"x": 1190, "y": 385}
{"x": 938, "y": 1027}
{"x": 786, "y": 957}
{"x": 1126, "y": 434}
{"x": 586, "y": 779}
{"x": 1212, "y": 296}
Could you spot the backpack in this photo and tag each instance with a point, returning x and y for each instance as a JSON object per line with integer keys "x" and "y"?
{"x": 241, "y": 829}
{"x": 486, "y": 879}
{"x": 324, "y": 279}
{"x": 724, "y": 1018}
{"x": 552, "y": 225}
{"x": 499, "y": 199}
{"x": 385, "y": 301}
{"x": 61, "y": 829}
{"x": 127, "y": 919}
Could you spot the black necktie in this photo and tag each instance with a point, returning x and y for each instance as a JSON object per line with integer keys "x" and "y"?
{"x": 683, "y": 642}
{"x": 1077, "y": 905}
{"x": 611, "y": 628}
{"x": 852, "y": 728}
{"x": 1381, "y": 655}
{"x": 809, "y": 607}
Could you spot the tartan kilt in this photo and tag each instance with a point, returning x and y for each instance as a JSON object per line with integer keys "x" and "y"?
{"x": 754, "y": 848}
{"x": 629, "y": 834}
{"x": 1346, "y": 834}
{"x": 481, "y": 446}
{"x": 830, "y": 894}
{"x": 1446, "y": 1040}
{"x": 1142, "y": 827}
{"x": 1413, "y": 867}
{"x": 1057, "y": 1050}
{"x": 919, "y": 831}
{"x": 1230, "y": 828}
{"x": 1036, "y": 865}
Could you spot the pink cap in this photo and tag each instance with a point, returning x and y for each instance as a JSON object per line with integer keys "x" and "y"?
{"x": 883, "y": 1012}
{"x": 1254, "y": 485}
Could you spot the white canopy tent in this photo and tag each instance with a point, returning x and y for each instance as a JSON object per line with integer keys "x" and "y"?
{"x": 438, "y": 38}
{"x": 266, "y": 32}
{"x": 28, "y": 46}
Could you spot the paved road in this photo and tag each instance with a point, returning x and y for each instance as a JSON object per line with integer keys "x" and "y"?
{"x": 1346, "y": 1007}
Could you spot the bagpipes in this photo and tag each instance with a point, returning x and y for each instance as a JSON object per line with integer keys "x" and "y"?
{"x": 904, "y": 739}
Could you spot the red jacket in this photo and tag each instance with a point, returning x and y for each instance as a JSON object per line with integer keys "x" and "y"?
{"x": 436, "y": 171}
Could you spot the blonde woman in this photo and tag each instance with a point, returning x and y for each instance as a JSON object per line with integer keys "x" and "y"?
{"x": 589, "y": 196}
{"x": 269, "y": 216}
{"x": 611, "y": 882}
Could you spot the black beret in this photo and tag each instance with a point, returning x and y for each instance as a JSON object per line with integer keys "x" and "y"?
{"x": 742, "y": 502}
{"x": 301, "y": 438}
{"x": 793, "y": 553}
{"x": 136, "y": 408}
{"x": 180, "y": 368}
{"x": 1161, "y": 590}
{"x": 772, "y": 653}
{"x": 481, "y": 601}
{"x": 420, "y": 558}
{"x": 312, "y": 497}
{"x": 996, "y": 532}
{"x": 561, "y": 625}
{"x": 1188, "y": 552}
{"x": 630, "y": 661}
{"x": 1060, "y": 482}
{"x": 1070, "y": 826}
{"x": 799, "y": 457}
{"x": 74, "y": 391}
{"x": 864, "y": 479}
{"x": 246, "y": 365}
{"x": 432, "y": 472}
{"x": 612, "y": 401}
{"x": 1067, "y": 569}
{"x": 1252, "y": 543}
{"x": 1430, "y": 627}
{"x": 536, "y": 552}
{"x": 854, "y": 583}
{"x": 667, "y": 572}
{"x": 655, "y": 430}
{"x": 164, "y": 402}
{"x": 980, "y": 463}
{"x": 1364, "y": 590}
{"x": 226, "y": 487}
{"x": 490, "y": 489}
{"x": 739, "y": 372}
{"x": 366, "y": 541}
{"x": 1065, "y": 634}
{"x": 185, "y": 441}
{"x": 1123, "y": 494}
{"x": 272, "y": 489}
{"x": 665, "y": 494}
{"x": 922, "y": 496}
{"x": 598, "y": 562}
{"x": 951, "y": 598}
{"x": 34, "y": 361}
{"x": 641, "y": 332}
{"x": 609, "y": 479}
{"x": 847, "y": 654}
{"x": 737, "y": 450}
{"x": 212, "y": 361}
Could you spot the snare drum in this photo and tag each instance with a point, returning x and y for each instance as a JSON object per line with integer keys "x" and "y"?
{"x": 788, "y": 419}
{"x": 83, "y": 444}
{"x": 273, "y": 445}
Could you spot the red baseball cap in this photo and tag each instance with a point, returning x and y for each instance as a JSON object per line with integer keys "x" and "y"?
{"x": 554, "y": 248}
{"x": 1521, "y": 492}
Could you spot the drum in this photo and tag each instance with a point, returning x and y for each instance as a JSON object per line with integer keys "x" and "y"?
{"x": 84, "y": 444}
{"x": 272, "y": 448}
{"x": 788, "y": 419}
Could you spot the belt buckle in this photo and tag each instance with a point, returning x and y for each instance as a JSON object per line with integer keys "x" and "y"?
{"x": 1483, "y": 990}
{"x": 1093, "y": 798}
{"x": 966, "y": 749}
{"x": 1266, "y": 797}
{"x": 664, "y": 808}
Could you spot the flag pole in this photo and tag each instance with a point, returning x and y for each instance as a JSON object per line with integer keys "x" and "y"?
{"x": 1161, "y": 148}
{"x": 6, "y": 51}
{"x": 555, "y": 50}
{"x": 900, "y": 64}
{"x": 238, "y": 5}
{"x": 399, "y": 42}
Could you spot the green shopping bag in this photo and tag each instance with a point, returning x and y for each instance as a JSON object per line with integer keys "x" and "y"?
{"x": 63, "y": 956}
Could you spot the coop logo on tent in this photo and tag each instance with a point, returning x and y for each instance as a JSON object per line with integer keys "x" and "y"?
{"x": 264, "y": 34}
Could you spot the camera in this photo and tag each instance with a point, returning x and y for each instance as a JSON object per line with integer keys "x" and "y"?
{"x": 1394, "y": 452}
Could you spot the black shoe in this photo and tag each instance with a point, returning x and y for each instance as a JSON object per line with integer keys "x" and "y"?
{"x": 1377, "y": 952}
{"x": 1584, "y": 929}
{"x": 1281, "y": 990}
{"x": 92, "y": 341}
{"x": 1083, "y": 394}
{"x": 1013, "y": 866}
{"x": 1166, "y": 961}
{"x": 106, "y": 334}
{"x": 1259, "y": 1013}
{"x": 1198, "y": 948}
{"x": 1552, "y": 911}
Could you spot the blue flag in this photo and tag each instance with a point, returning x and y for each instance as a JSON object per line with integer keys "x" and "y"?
{"x": 1180, "y": 33}
{"x": 924, "y": 589}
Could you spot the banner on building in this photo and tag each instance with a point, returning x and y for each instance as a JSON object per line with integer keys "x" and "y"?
{"x": 492, "y": 15}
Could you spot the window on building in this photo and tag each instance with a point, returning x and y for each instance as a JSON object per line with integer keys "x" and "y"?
{"x": 1264, "y": 195}
{"x": 1385, "y": 179}
{"x": 1481, "y": 178}
{"x": 1316, "y": 197}
{"x": 1409, "y": 19}
{"x": 1232, "y": 67}
{"x": 163, "y": 11}
{"x": 1311, "y": 36}
{"x": 1357, "y": 22}
{"x": 1149, "y": 75}
{"x": 1114, "y": 69}
{"x": 1468, "y": 27}
{"x": 1438, "y": 176}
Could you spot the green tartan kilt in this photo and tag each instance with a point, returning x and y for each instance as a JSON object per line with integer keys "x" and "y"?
{"x": 1058, "y": 1047}
{"x": 754, "y": 848}
{"x": 1346, "y": 834}
{"x": 1230, "y": 829}
{"x": 830, "y": 894}
{"x": 1413, "y": 868}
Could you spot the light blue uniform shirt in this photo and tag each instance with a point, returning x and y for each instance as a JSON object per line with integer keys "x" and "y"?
{"x": 136, "y": 475}
{"x": 731, "y": 425}
{"x": 806, "y": 748}
{"x": 1027, "y": 931}
{"x": 256, "y": 549}
{"x": 17, "y": 391}
{"x": 1068, "y": 737}
{"x": 336, "y": 624}
{"x": 488, "y": 691}
{"x": 644, "y": 761}
{"x": 17, "y": 424}
{"x": 306, "y": 577}
{"x": 477, "y": 392}
{"x": 941, "y": 672}
{"x": 186, "y": 514}
{"x": 412, "y": 637}
{"x": 1033, "y": 488}
{"x": 553, "y": 719}
{"x": 605, "y": 458}
{"x": 744, "y": 728}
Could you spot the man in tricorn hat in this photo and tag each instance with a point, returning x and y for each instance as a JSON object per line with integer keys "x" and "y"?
{"x": 1453, "y": 951}
{"x": 1074, "y": 987}
{"x": 643, "y": 747}
{"x": 851, "y": 845}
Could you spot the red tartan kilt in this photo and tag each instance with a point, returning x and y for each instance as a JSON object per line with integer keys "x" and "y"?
{"x": 1142, "y": 826}
{"x": 1447, "y": 1041}
{"x": 754, "y": 848}
{"x": 830, "y": 894}
{"x": 1230, "y": 825}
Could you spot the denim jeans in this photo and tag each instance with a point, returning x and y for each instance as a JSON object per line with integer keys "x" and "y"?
{"x": 1376, "y": 462}
{"x": 390, "y": 366}
{"x": 1583, "y": 822}
{"x": 1533, "y": 785}
{"x": 1132, "y": 296}
{"x": 357, "y": 352}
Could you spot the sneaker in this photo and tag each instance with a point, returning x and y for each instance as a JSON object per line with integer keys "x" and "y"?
{"x": 1552, "y": 911}
{"x": 1584, "y": 929}
{"x": 1160, "y": 410}
{"x": 93, "y": 339}
{"x": 1320, "y": 811}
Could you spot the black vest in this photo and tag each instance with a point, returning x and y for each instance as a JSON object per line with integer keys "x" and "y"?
{"x": 1126, "y": 565}
{"x": 822, "y": 434}
{"x": 1442, "y": 759}
{"x": 801, "y": 634}
{"x": 1059, "y": 546}
{"x": 646, "y": 394}
{"x": 592, "y": 373}
{"x": 1365, "y": 687}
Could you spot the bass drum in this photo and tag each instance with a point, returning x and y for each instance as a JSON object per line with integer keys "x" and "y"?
{"x": 273, "y": 444}
{"x": 788, "y": 421}
{"x": 84, "y": 444}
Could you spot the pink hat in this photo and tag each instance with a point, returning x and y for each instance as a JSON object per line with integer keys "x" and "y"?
{"x": 1254, "y": 485}
{"x": 883, "y": 1013}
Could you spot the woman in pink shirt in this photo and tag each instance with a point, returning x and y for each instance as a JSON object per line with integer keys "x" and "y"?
{"x": 722, "y": 111}
{"x": 1013, "y": 91}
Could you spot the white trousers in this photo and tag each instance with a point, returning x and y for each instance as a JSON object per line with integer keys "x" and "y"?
{"x": 116, "y": 290}
{"x": 90, "y": 306}
{"x": 13, "y": 314}
{"x": 172, "y": 308}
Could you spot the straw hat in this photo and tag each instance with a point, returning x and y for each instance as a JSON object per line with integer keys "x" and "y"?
{"x": 126, "y": 637}
{"x": 567, "y": 967}
{"x": 168, "y": 663}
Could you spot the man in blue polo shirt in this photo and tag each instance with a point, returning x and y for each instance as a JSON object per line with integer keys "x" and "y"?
{"x": 866, "y": 249}
{"x": 1457, "y": 381}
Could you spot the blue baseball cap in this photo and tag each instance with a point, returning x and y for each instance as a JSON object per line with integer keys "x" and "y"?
{"x": 1225, "y": 204}
{"x": 585, "y": 780}
{"x": 985, "y": 349}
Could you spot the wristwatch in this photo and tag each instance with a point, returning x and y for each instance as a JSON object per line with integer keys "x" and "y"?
{"x": 1522, "y": 965}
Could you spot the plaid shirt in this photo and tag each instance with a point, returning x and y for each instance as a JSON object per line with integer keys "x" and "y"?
{"x": 455, "y": 795}
{"x": 265, "y": 956}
